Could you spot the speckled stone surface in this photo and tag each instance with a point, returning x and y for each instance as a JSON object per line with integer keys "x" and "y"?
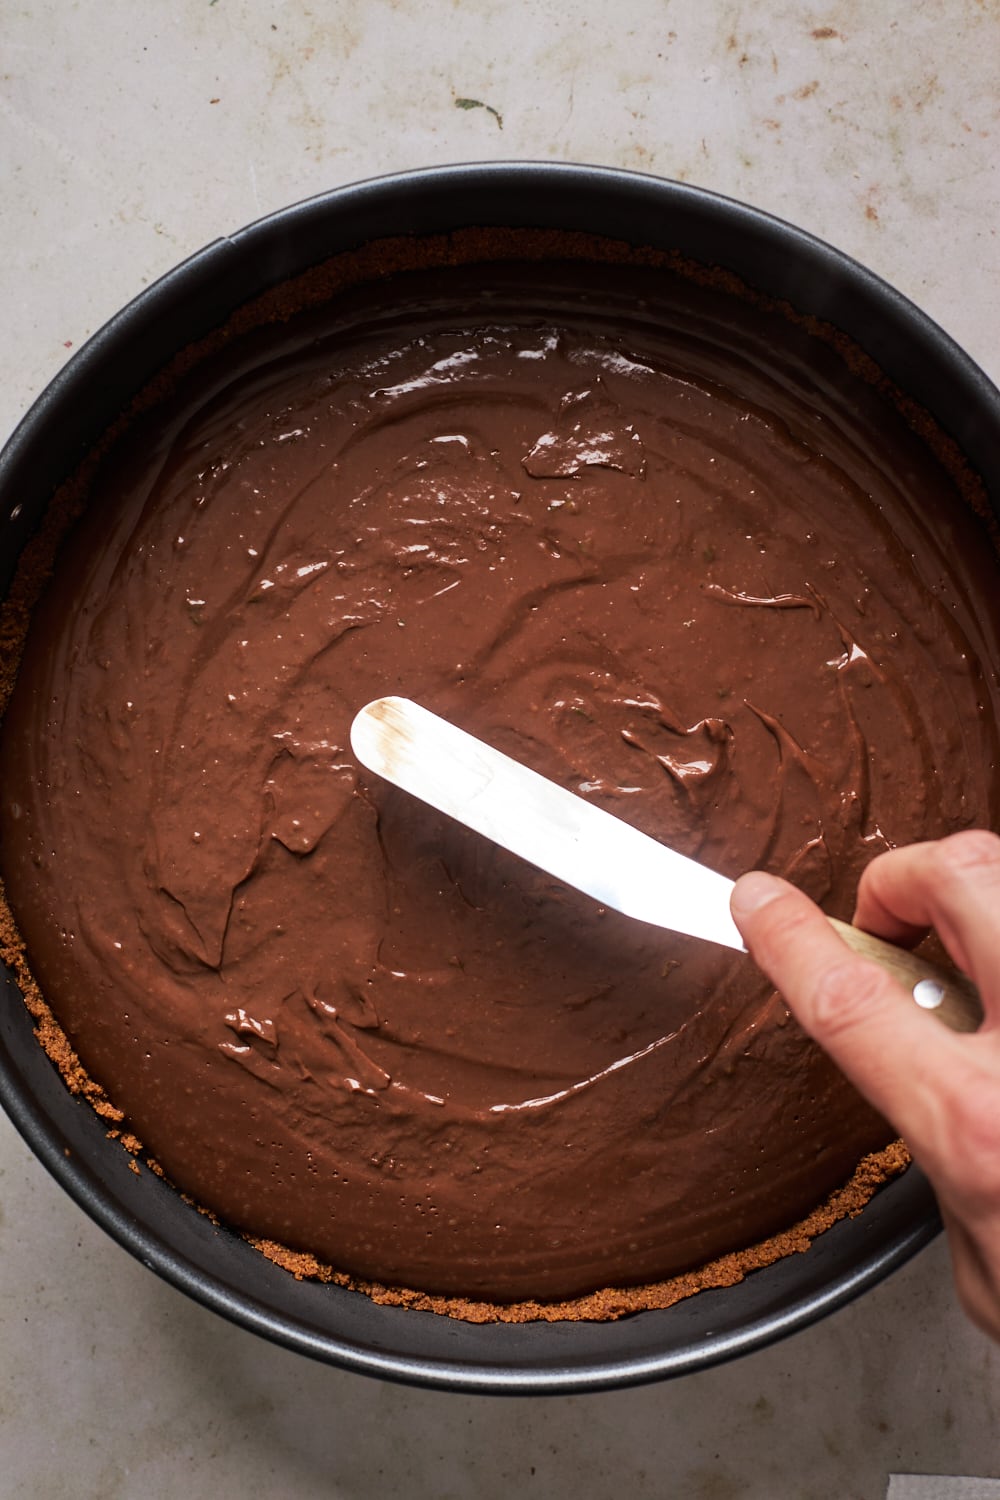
{"x": 129, "y": 137}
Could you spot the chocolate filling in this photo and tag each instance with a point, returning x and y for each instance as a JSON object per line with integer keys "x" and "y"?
{"x": 661, "y": 545}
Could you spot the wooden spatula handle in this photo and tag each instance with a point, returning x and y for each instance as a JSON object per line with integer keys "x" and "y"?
{"x": 949, "y": 995}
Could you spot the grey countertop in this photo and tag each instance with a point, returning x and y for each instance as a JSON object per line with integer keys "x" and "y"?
{"x": 129, "y": 137}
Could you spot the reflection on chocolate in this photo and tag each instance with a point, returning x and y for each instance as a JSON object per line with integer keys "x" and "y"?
{"x": 608, "y": 522}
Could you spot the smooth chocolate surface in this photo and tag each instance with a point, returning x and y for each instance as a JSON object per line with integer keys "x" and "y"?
{"x": 662, "y": 547}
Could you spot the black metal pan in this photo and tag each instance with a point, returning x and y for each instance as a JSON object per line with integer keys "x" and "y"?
{"x": 143, "y": 1213}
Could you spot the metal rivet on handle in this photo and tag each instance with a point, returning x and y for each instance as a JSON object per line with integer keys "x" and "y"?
{"x": 928, "y": 993}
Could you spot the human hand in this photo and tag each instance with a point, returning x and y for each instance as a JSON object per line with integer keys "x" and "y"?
{"x": 940, "y": 1089}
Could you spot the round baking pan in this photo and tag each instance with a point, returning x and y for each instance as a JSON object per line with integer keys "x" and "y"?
{"x": 142, "y": 1212}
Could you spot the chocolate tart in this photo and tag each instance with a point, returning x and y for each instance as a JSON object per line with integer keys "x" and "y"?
{"x": 563, "y": 435}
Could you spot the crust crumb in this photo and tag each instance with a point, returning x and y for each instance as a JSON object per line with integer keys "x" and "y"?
{"x": 612, "y": 1303}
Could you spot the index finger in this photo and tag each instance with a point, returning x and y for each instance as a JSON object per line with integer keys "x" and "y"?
{"x": 952, "y": 885}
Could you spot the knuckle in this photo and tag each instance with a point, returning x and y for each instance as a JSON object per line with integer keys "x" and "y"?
{"x": 780, "y": 939}
{"x": 847, "y": 994}
{"x": 975, "y": 851}
{"x": 783, "y": 924}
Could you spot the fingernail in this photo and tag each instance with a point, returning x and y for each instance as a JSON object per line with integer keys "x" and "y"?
{"x": 752, "y": 891}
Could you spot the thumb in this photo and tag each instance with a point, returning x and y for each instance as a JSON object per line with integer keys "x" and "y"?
{"x": 893, "y": 1052}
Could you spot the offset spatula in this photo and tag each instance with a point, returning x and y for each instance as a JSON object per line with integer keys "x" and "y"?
{"x": 591, "y": 849}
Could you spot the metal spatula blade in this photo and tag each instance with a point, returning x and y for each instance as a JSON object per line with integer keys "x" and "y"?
{"x": 535, "y": 818}
{"x": 592, "y": 850}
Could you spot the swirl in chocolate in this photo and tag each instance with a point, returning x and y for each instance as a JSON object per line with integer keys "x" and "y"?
{"x": 612, "y": 524}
